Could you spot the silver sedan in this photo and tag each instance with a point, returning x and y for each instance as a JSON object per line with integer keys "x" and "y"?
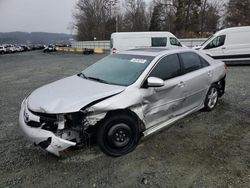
{"x": 121, "y": 98}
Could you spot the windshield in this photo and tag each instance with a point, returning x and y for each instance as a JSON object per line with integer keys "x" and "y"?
{"x": 118, "y": 69}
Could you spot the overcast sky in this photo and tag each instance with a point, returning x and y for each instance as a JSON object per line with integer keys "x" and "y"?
{"x": 36, "y": 15}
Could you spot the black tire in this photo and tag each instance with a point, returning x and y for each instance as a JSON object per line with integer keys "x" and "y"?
{"x": 118, "y": 135}
{"x": 211, "y": 98}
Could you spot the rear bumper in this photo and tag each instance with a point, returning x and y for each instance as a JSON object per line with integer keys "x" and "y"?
{"x": 45, "y": 139}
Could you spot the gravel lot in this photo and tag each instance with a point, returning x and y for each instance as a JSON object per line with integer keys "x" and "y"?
{"x": 203, "y": 150}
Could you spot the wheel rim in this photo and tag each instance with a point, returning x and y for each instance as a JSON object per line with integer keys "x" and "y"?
{"x": 212, "y": 97}
{"x": 119, "y": 135}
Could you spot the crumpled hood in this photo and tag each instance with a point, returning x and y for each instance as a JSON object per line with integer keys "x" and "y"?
{"x": 69, "y": 95}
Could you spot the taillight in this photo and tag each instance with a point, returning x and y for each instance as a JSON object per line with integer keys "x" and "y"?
{"x": 225, "y": 66}
{"x": 114, "y": 50}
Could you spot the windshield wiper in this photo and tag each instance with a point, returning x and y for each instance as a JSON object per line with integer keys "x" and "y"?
{"x": 82, "y": 75}
{"x": 97, "y": 79}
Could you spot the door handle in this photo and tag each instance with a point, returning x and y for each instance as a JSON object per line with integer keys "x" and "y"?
{"x": 223, "y": 48}
{"x": 181, "y": 84}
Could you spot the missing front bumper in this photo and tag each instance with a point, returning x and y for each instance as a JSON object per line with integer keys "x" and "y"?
{"x": 46, "y": 139}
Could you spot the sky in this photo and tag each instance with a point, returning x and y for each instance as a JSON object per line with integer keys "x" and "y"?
{"x": 36, "y": 15}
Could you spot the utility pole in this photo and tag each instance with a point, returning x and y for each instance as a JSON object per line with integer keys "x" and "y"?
{"x": 116, "y": 15}
{"x": 116, "y": 23}
{"x": 113, "y": 4}
{"x": 203, "y": 16}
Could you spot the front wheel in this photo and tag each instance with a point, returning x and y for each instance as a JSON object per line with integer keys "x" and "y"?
{"x": 118, "y": 135}
{"x": 211, "y": 98}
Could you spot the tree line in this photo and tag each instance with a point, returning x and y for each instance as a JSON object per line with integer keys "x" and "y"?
{"x": 97, "y": 19}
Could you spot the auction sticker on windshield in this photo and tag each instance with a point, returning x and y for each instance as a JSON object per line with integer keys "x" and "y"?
{"x": 135, "y": 60}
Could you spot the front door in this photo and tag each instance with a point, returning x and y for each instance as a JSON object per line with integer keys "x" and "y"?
{"x": 165, "y": 101}
{"x": 216, "y": 47}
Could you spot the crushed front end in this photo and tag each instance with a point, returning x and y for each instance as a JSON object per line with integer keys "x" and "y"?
{"x": 53, "y": 132}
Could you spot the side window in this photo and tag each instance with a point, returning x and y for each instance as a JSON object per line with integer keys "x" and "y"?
{"x": 167, "y": 68}
{"x": 191, "y": 61}
{"x": 216, "y": 42}
{"x": 174, "y": 41}
{"x": 159, "y": 42}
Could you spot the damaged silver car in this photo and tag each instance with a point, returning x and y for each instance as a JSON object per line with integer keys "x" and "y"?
{"x": 121, "y": 98}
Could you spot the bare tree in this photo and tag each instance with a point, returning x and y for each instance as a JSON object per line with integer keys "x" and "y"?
{"x": 135, "y": 15}
{"x": 185, "y": 18}
{"x": 94, "y": 18}
{"x": 163, "y": 15}
{"x": 238, "y": 13}
{"x": 203, "y": 13}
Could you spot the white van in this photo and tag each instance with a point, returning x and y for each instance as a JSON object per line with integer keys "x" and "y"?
{"x": 231, "y": 45}
{"x": 121, "y": 41}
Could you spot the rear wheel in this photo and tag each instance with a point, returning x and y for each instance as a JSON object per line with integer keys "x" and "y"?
{"x": 118, "y": 135}
{"x": 211, "y": 98}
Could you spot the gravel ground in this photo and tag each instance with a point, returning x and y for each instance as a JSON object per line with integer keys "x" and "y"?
{"x": 202, "y": 150}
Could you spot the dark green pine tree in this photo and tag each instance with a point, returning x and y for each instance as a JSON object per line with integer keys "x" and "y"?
{"x": 155, "y": 22}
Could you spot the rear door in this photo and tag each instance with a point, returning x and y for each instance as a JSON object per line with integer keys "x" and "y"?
{"x": 197, "y": 78}
{"x": 164, "y": 102}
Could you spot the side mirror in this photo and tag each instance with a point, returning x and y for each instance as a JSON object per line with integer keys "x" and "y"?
{"x": 155, "y": 82}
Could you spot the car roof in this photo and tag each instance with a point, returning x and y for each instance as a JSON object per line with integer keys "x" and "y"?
{"x": 141, "y": 33}
{"x": 154, "y": 51}
{"x": 233, "y": 30}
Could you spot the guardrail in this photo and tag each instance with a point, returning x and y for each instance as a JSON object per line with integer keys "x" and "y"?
{"x": 105, "y": 44}
{"x": 192, "y": 42}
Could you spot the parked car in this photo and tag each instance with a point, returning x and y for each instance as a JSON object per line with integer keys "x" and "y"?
{"x": 2, "y": 50}
{"x": 121, "y": 41}
{"x": 10, "y": 48}
{"x": 49, "y": 48}
{"x": 37, "y": 47}
{"x": 88, "y": 51}
{"x": 122, "y": 97}
{"x": 25, "y": 48}
{"x": 18, "y": 48}
{"x": 231, "y": 45}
